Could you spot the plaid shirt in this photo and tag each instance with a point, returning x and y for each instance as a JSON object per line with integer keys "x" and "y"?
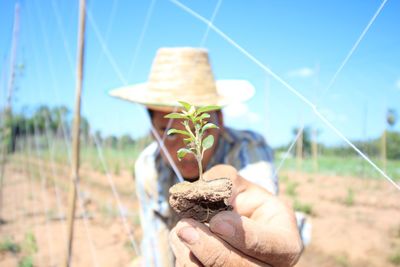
{"x": 244, "y": 150}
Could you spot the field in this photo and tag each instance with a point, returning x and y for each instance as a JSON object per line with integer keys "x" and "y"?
{"x": 354, "y": 214}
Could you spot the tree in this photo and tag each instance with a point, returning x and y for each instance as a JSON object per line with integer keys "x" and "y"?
{"x": 85, "y": 129}
{"x": 111, "y": 141}
{"x": 41, "y": 117}
{"x": 125, "y": 140}
{"x": 60, "y": 121}
{"x": 393, "y": 148}
{"x": 391, "y": 117}
{"x": 306, "y": 138}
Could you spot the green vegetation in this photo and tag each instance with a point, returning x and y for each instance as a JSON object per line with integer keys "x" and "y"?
{"x": 395, "y": 258}
{"x": 342, "y": 165}
{"x": 26, "y": 261}
{"x": 120, "y": 152}
{"x": 27, "y": 249}
{"x": 29, "y": 245}
{"x": 342, "y": 260}
{"x": 283, "y": 178}
{"x": 349, "y": 200}
{"x": 8, "y": 245}
{"x": 303, "y": 207}
{"x": 341, "y": 159}
{"x": 291, "y": 189}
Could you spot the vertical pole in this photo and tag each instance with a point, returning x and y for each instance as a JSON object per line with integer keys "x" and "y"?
{"x": 314, "y": 148}
{"x": 314, "y": 131}
{"x": 366, "y": 143}
{"x": 383, "y": 150}
{"x": 10, "y": 84}
{"x": 76, "y": 133}
{"x": 299, "y": 149}
{"x": 7, "y": 113}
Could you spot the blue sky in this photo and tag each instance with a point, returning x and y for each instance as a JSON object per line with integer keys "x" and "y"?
{"x": 304, "y": 42}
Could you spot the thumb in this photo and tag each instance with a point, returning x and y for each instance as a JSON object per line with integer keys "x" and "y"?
{"x": 208, "y": 248}
{"x": 271, "y": 244}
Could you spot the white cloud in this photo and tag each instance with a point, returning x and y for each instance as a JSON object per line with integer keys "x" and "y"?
{"x": 398, "y": 84}
{"x": 241, "y": 111}
{"x": 302, "y": 73}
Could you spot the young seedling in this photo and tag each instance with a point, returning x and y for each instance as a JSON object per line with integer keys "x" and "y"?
{"x": 195, "y": 140}
{"x": 202, "y": 199}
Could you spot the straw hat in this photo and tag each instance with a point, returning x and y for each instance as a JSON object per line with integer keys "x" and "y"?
{"x": 184, "y": 74}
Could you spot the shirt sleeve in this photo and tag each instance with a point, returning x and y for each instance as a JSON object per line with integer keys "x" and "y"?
{"x": 257, "y": 163}
{"x": 261, "y": 173}
{"x": 146, "y": 217}
{"x": 154, "y": 244}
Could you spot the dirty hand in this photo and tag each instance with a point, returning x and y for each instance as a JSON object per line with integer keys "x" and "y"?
{"x": 260, "y": 231}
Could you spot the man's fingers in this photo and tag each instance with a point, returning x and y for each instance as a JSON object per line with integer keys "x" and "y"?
{"x": 241, "y": 189}
{"x": 208, "y": 248}
{"x": 220, "y": 171}
{"x": 184, "y": 257}
{"x": 272, "y": 244}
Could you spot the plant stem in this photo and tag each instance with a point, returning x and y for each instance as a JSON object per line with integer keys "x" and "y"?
{"x": 198, "y": 153}
{"x": 200, "y": 168}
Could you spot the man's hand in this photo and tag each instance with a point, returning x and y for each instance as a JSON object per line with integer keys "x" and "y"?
{"x": 260, "y": 231}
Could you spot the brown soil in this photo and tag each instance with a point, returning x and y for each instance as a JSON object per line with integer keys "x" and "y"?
{"x": 361, "y": 232}
{"x": 31, "y": 207}
{"x": 201, "y": 200}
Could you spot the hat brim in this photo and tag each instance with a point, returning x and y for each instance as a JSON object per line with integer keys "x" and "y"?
{"x": 228, "y": 92}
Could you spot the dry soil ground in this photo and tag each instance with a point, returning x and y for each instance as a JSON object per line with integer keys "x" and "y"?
{"x": 355, "y": 222}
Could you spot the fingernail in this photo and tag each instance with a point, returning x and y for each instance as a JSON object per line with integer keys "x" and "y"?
{"x": 223, "y": 228}
{"x": 188, "y": 235}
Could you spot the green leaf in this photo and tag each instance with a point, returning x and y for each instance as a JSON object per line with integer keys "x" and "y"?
{"x": 192, "y": 111}
{"x": 207, "y": 108}
{"x": 185, "y": 105}
{"x": 176, "y": 131}
{"x": 208, "y": 126}
{"x": 187, "y": 140}
{"x": 182, "y": 152}
{"x": 208, "y": 142}
{"x": 175, "y": 116}
{"x": 203, "y": 117}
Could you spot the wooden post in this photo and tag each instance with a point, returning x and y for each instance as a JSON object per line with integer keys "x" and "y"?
{"x": 383, "y": 150}
{"x": 7, "y": 113}
{"x": 314, "y": 148}
{"x": 314, "y": 133}
{"x": 299, "y": 149}
{"x": 76, "y": 133}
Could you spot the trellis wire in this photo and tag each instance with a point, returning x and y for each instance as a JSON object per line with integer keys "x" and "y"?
{"x": 55, "y": 89}
{"x": 288, "y": 86}
{"x": 355, "y": 46}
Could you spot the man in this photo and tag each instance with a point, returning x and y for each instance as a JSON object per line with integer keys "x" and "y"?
{"x": 261, "y": 230}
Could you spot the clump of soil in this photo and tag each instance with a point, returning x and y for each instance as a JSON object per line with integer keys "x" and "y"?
{"x": 201, "y": 200}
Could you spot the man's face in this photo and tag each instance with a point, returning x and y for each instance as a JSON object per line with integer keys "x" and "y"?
{"x": 188, "y": 165}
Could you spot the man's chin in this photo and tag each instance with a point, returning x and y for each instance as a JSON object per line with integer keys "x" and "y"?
{"x": 191, "y": 179}
{"x": 189, "y": 173}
